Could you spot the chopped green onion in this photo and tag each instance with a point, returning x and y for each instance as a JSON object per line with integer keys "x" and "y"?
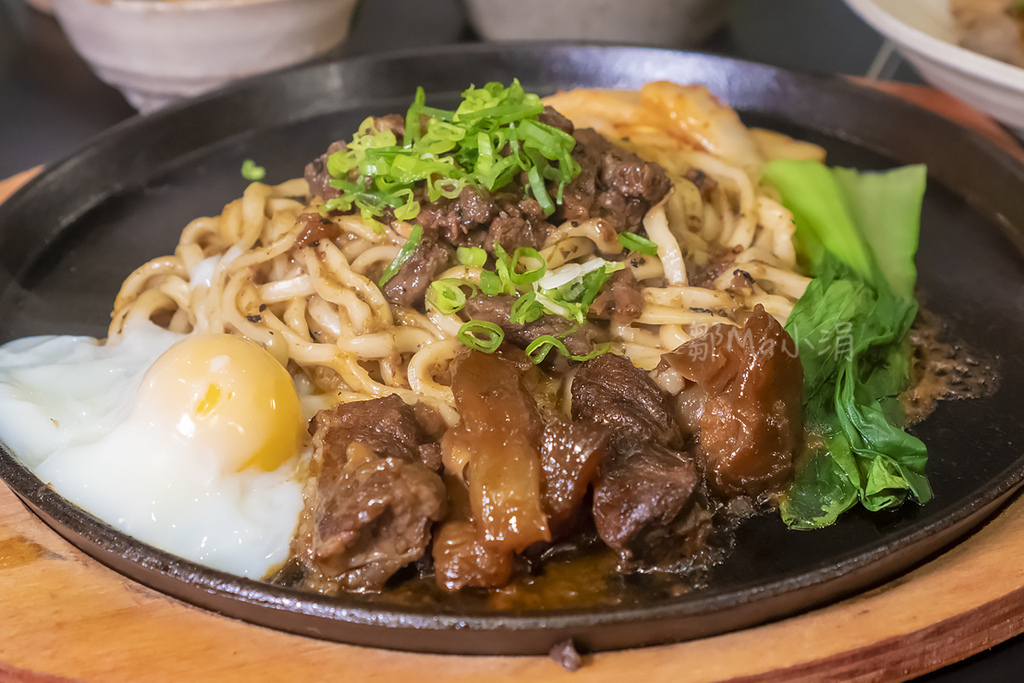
{"x": 634, "y": 242}
{"x": 490, "y": 283}
{"x": 503, "y": 269}
{"x": 403, "y": 254}
{"x": 446, "y": 294}
{"x": 539, "y": 348}
{"x": 481, "y": 335}
{"x": 252, "y": 172}
{"x": 571, "y": 289}
{"x": 540, "y": 191}
{"x": 471, "y": 256}
{"x": 530, "y": 275}
{"x": 526, "y": 309}
{"x": 492, "y": 136}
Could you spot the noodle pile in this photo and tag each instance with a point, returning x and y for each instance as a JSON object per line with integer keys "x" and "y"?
{"x": 319, "y": 310}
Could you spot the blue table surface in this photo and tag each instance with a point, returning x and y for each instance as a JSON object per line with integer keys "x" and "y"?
{"x": 51, "y": 104}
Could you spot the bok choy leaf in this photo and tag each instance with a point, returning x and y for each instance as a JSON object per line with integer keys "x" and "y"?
{"x": 858, "y": 232}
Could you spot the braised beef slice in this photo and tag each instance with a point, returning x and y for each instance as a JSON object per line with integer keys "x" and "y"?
{"x": 611, "y": 391}
{"x": 645, "y": 507}
{"x": 613, "y": 183}
{"x": 570, "y": 455}
{"x": 751, "y": 421}
{"x": 317, "y": 176}
{"x": 497, "y": 309}
{"x": 409, "y": 285}
{"x": 501, "y": 428}
{"x": 621, "y": 295}
{"x": 373, "y": 500}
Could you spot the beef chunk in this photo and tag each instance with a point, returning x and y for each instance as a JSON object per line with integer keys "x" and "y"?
{"x": 408, "y": 286}
{"x": 371, "y": 501}
{"x": 452, "y": 219}
{"x": 462, "y": 559}
{"x": 384, "y": 425}
{"x": 645, "y": 507}
{"x": 704, "y": 183}
{"x": 720, "y": 259}
{"x": 751, "y": 421}
{"x": 553, "y": 118}
{"x": 497, "y": 309}
{"x": 519, "y": 224}
{"x": 613, "y": 183}
{"x": 621, "y": 295}
{"x": 392, "y": 122}
{"x": 373, "y": 516}
{"x": 570, "y": 454}
{"x": 611, "y": 391}
{"x": 317, "y": 176}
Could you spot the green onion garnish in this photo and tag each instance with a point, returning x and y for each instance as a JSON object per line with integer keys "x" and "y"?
{"x": 446, "y": 294}
{"x": 481, "y": 335}
{"x": 634, "y": 242}
{"x": 539, "y": 348}
{"x": 471, "y": 256}
{"x": 491, "y": 138}
{"x": 490, "y": 283}
{"x": 526, "y": 309}
{"x": 403, "y": 254}
{"x": 252, "y": 172}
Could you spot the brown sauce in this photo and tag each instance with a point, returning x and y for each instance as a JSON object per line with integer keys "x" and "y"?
{"x": 943, "y": 369}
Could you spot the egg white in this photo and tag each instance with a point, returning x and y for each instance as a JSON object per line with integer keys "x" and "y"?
{"x": 66, "y": 411}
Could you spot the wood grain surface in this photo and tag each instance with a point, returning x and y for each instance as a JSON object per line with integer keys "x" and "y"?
{"x": 65, "y": 616}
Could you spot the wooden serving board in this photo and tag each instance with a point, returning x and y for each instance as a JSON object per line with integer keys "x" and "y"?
{"x": 65, "y": 616}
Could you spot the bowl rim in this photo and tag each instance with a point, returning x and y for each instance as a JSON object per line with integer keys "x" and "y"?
{"x": 946, "y": 53}
{"x": 181, "y": 6}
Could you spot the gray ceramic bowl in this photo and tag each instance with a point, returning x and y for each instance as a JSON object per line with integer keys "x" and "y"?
{"x": 664, "y": 23}
{"x": 157, "y": 51}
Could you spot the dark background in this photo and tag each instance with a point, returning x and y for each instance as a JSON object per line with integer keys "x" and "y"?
{"x": 51, "y": 104}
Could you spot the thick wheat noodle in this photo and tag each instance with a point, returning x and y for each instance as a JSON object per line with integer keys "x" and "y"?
{"x": 597, "y": 230}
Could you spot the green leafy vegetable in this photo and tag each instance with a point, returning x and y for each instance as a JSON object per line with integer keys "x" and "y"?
{"x": 859, "y": 234}
{"x": 634, "y": 242}
{"x": 491, "y": 138}
{"x": 252, "y": 172}
{"x": 403, "y": 254}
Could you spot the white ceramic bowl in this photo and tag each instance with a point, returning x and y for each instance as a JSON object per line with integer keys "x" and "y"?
{"x": 156, "y": 51}
{"x": 925, "y": 33}
{"x": 666, "y": 23}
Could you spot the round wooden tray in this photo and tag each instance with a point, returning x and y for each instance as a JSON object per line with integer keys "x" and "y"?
{"x": 64, "y": 615}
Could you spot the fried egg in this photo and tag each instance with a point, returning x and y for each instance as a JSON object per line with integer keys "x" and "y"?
{"x": 190, "y": 443}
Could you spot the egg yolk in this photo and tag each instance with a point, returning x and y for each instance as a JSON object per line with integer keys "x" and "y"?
{"x": 225, "y": 396}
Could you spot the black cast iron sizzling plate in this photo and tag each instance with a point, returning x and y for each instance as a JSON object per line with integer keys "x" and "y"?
{"x": 70, "y": 237}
